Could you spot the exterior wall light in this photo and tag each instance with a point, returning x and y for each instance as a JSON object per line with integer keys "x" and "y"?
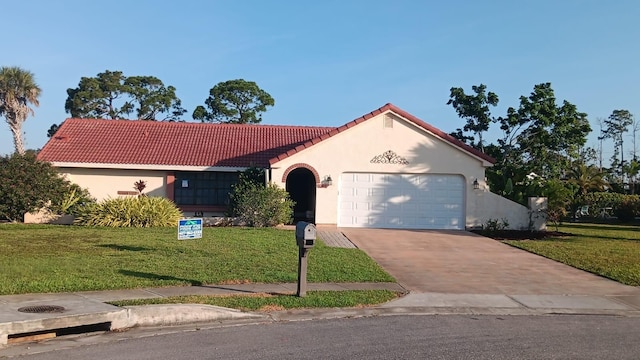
{"x": 327, "y": 181}
{"x": 476, "y": 184}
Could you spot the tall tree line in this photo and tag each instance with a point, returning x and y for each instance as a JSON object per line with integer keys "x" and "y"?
{"x": 544, "y": 139}
{"x": 112, "y": 95}
{"x": 541, "y": 137}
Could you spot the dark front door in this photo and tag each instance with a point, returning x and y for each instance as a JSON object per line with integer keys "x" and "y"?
{"x": 301, "y": 186}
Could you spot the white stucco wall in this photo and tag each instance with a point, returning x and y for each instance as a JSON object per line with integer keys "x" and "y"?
{"x": 104, "y": 183}
{"x": 489, "y": 206}
{"x": 353, "y": 149}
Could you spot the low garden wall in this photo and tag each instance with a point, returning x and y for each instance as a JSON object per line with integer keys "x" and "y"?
{"x": 491, "y": 208}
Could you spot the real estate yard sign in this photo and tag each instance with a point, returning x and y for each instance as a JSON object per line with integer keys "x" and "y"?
{"x": 189, "y": 229}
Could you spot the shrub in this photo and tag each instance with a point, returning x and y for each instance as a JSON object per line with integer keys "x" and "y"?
{"x": 600, "y": 200}
{"x": 73, "y": 201}
{"x": 252, "y": 176}
{"x": 625, "y": 207}
{"x": 139, "y": 211}
{"x": 493, "y": 225}
{"x": 28, "y": 185}
{"x": 260, "y": 206}
{"x": 555, "y": 215}
{"x": 628, "y": 208}
{"x": 559, "y": 196}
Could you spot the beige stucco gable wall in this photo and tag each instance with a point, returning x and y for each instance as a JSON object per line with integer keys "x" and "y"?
{"x": 353, "y": 149}
{"x": 105, "y": 183}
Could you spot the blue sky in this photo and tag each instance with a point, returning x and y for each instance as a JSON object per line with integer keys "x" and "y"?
{"x": 328, "y": 62}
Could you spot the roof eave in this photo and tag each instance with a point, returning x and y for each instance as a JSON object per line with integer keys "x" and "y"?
{"x": 157, "y": 167}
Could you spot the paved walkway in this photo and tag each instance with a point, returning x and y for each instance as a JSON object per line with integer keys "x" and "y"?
{"x": 333, "y": 237}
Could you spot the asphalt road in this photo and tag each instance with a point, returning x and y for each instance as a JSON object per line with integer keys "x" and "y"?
{"x": 389, "y": 337}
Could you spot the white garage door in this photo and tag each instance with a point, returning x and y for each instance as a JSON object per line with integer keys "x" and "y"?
{"x": 402, "y": 201}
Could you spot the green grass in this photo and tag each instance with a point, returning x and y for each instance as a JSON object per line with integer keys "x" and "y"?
{"x": 612, "y": 251}
{"x": 49, "y": 258}
{"x": 266, "y": 302}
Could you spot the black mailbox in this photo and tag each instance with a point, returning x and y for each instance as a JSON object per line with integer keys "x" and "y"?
{"x": 305, "y": 234}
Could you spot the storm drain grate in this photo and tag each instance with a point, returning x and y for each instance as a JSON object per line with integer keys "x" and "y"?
{"x": 41, "y": 309}
{"x": 53, "y": 333}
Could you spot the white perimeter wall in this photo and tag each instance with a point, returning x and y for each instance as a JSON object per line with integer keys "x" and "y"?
{"x": 489, "y": 206}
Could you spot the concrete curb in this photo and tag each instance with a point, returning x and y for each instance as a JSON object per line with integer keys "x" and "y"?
{"x": 193, "y": 314}
{"x": 129, "y": 317}
{"x": 179, "y": 314}
{"x": 340, "y": 313}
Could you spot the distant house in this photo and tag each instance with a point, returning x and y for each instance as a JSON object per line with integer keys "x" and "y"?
{"x": 386, "y": 169}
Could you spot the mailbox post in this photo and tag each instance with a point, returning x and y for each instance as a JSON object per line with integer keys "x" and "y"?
{"x": 305, "y": 238}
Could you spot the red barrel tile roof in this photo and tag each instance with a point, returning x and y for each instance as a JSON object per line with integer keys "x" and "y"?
{"x": 173, "y": 143}
{"x": 139, "y": 142}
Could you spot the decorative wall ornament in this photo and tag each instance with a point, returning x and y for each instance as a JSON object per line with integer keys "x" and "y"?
{"x": 389, "y": 157}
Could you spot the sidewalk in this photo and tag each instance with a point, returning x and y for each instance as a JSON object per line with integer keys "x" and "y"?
{"x": 90, "y": 308}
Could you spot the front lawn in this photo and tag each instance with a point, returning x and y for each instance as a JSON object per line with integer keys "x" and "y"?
{"x": 49, "y": 258}
{"x": 611, "y": 251}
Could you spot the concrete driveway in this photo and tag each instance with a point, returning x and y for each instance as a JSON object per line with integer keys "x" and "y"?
{"x": 460, "y": 262}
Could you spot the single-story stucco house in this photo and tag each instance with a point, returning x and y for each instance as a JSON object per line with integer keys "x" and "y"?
{"x": 386, "y": 169}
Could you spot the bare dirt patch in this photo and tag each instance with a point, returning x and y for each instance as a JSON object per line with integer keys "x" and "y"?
{"x": 271, "y": 308}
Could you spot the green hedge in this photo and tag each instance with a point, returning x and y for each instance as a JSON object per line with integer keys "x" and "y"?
{"x": 625, "y": 207}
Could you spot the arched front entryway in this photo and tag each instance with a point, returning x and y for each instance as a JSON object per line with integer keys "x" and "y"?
{"x": 301, "y": 186}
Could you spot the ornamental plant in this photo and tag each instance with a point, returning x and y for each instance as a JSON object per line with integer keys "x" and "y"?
{"x": 138, "y": 211}
{"x": 140, "y": 185}
{"x": 73, "y": 202}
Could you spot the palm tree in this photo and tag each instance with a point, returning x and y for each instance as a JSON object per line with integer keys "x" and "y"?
{"x": 18, "y": 90}
{"x": 587, "y": 178}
